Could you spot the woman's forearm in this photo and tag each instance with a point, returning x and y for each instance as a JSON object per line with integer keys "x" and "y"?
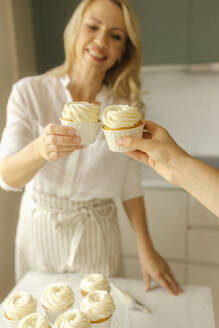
{"x": 19, "y": 168}
{"x": 200, "y": 180}
{"x": 152, "y": 264}
{"x": 136, "y": 213}
{"x": 56, "y": 142}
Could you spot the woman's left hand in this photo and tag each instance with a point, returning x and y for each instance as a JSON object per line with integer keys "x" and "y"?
{"x": 155, "y": 267}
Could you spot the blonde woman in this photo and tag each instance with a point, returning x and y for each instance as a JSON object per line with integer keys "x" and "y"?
{"x": 68, "y": 220}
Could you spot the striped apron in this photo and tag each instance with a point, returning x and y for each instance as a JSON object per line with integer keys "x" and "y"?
{"x": 58, "y": 235}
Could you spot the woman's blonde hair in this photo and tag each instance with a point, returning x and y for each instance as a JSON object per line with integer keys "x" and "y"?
{"x": 123, "y": 78}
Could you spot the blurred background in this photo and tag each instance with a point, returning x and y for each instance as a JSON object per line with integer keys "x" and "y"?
{"x": 173, "y": 32}
{"x": 180, "y": 78}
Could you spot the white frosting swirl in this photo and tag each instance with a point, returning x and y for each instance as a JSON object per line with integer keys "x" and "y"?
{"x": 121, "y": 116}
{"x": 81, "y": 112}
{"x": 72, "y": 319}
{"x": 57, "y": 297}
{"x": 33, "y": 320}
{"x": 98, "y": 305}
{"x": 18, "y": 305}
{"x": 94, "y": 282}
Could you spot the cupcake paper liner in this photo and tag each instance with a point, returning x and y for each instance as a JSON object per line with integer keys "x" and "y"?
{"x": 112, "y": 137}
{"x": 104, "y": 324}
{"x": 10, "y": 323}
{"x": 87, "y": 131}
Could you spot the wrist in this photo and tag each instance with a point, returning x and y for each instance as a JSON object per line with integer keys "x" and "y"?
{"x": 145, "y": 246}
{"x": 39, "y": 151}
{"x": 178, "y": 169}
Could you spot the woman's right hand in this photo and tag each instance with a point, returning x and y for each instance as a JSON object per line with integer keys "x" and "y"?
{"x": 58, "y": 141}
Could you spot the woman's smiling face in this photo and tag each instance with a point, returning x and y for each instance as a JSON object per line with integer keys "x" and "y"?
{"x": 102, "y": 36}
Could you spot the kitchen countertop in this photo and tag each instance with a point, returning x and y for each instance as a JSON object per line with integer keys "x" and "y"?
{"x": 192, "y": 309}
{"x": 187, "y": 105}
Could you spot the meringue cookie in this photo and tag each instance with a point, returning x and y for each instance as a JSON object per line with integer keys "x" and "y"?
{"x": 94, "y": 282}
{"x": 18, "y": 305}
{"x": 72, "y": 319}
{"x": 57, "y": 297}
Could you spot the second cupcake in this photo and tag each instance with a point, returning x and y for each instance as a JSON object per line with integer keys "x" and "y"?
{"x": 121, "y": 121}
{"x": 99, "y": 307}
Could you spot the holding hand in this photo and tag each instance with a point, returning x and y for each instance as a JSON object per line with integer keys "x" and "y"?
{"x": 157, "y": 149}
{"x": 58, "y": 141}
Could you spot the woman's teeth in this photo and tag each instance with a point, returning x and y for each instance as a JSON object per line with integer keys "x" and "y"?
{"x": 97, "y": 55}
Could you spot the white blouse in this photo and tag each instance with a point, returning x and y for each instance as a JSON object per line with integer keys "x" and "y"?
{"x": 92, "y": 172}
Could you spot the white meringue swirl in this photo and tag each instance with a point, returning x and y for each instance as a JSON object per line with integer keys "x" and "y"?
{"x": 57, "y": 297}
{"x": 33, "y": 320}
{"x": 98, "y": 305}
{"x": 93, "y": 282}
{"x": 72, "y": 319}
{"x": 81, "y": 112}
{"x": 121, "y": 116}
{"x": 18, "y": 305}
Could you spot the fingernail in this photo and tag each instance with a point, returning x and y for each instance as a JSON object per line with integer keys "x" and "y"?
{"x": 76, "y": 140}
{"x": 71, "y": 132}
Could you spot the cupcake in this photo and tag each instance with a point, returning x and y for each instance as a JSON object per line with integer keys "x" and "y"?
{"x": 17, "y": 306}
{"x": 33, "y": 320}
{"x": 72, "y": 319}
{"x": 84, "y": 118}
{"x": 99, "y": 308}
{"x": 121, "y": 121}
{"x": 94, "y": 282}
{"x": 56, "y": 299}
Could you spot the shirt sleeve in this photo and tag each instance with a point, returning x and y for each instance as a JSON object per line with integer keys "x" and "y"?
{"x": 6, "y": 187}
{"x": 18, "y": 131}
{"x": 132, "y": 187}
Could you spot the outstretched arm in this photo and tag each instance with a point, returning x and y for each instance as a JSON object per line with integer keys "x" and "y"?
{"x": 56, "y": 142}
{"x": 152, "y": 264}
{"x": 159, "y": 150}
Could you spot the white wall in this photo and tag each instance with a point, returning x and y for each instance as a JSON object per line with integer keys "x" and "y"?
{"x": 16, "y": 60}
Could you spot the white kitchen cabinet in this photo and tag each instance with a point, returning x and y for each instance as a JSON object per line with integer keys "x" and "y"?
{"x": 199, "y": 215}
{"x": 203, "y": 245}
{"x": 132, "y": 267}
{"x": 203, "y": 250}
{"x": 166, "y": 210}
